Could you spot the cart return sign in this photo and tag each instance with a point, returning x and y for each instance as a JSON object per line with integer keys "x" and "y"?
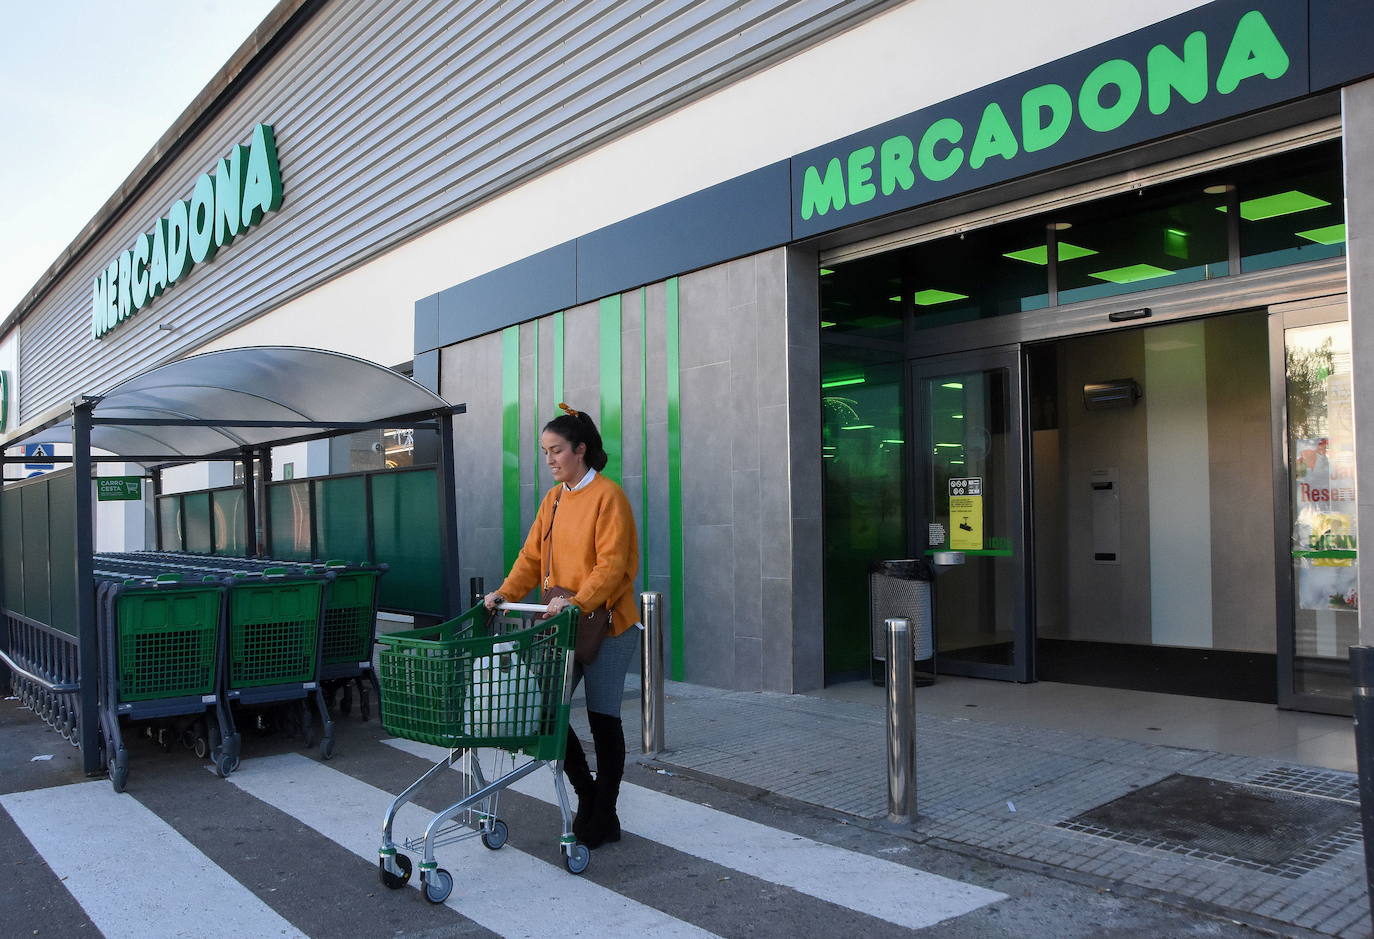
{"x": 1218, "y": 61}
{"x": 245, "y": 184}
{"x": 118, "y": 488}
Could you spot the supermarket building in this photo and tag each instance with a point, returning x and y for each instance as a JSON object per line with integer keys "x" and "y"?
{"x": 1082, "y": 291}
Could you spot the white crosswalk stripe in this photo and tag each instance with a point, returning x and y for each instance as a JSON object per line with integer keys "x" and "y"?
{"x": 349, "y": 812}
{"x": 122, "y": 862}
{"x": 899, "y": 894}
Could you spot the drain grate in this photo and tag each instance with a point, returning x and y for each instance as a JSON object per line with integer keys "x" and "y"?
{"x": 1262, "y": 829}
{"x": 1309, "y": 781}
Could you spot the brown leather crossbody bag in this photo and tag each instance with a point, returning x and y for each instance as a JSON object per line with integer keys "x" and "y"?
{"x": 593, "y": 625}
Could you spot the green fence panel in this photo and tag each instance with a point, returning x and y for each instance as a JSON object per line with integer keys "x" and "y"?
{"x": 12, "y": 548}
{"x": 196, "y": 508}
{"x": 35, "y": 511}
{"x": 169, "y": 524}
{"x": 406, "y": 532}
{"x": 62, "y": 553}
{"x": 230, "y": 522}
{"x": 341, "y": 519}
{"x": 288, "y": 537}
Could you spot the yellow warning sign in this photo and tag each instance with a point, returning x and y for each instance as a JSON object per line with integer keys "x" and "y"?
{"x": 966, "y": 514}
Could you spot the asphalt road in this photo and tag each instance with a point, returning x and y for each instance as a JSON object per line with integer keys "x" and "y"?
{"x": 287, "y": 847}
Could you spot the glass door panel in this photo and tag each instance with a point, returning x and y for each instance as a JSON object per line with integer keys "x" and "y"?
{"x": 970, "y": 467}
{"x": 1322, "y": 557}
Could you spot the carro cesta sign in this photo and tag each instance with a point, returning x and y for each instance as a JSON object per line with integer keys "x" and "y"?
{"x": 1217, "y": 61}
{"x": 245, "y": 184}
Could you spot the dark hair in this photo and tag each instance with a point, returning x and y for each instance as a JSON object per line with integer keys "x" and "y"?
{"x": 578, "y": 428}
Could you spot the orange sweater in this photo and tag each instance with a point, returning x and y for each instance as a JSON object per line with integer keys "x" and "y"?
{"x": 595, "y": 550}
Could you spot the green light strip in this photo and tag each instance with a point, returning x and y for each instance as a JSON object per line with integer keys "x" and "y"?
{"x": 535, "y": 412}
{"x": 611, "y": 390}
{"x": 1333, "y": 555}
{"x": 510, "y": 444}
{"x": 644, "y": 438}
{"x": 675, "y": 641}
{"x": 557, "y": 362}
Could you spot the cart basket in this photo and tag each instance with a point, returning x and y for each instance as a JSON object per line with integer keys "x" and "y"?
{"x": 462, "y": 684}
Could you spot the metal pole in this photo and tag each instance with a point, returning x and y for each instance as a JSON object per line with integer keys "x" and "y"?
{"x": 250, "y": 504}
{"x": 901, "y": 724}
{"x": 1362, "y": 678}
{"x": 447, "y": 480}
{"x": 651, "y": 673}
{"x": 88, "y": 649}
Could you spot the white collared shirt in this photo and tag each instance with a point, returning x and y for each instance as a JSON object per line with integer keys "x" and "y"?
{"x": 585, "y": 481}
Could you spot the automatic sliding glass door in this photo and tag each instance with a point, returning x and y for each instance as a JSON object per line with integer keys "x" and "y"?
{"x": 970, "y": 470}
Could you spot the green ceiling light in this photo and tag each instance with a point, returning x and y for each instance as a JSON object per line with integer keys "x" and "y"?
{"x": 949, "y": 445}
{"x": 857, "y": 427}
{"x": 826, "y": 272}
{"x": 1175, "y": 231}
{"x": 1280, "y": 203}
{"x": 932, "y": 297}
{"x": 895, "y": 299}
{"x": 957, "y": 417}
{"x": 957, "y": 385}
{"x": 1131, "y": 273}
{"x": 956, "y": 462}
{"x": 894, "y": 441}
{"x": 841, "y": 382}
{"x": 1040, "y": 254}
{"x": 1330, "y": 235}
{"x": 826, "y": 324}
{"x": 1176, "y": 243}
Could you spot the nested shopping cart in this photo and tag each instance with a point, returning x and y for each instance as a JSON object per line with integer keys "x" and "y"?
{"x": 479, "y": 681}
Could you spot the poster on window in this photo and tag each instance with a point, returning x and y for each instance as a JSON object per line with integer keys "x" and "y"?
{"x": 1324, "y": 548}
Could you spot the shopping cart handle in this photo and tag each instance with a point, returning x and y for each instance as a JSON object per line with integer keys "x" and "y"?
{"x": 524, "y": 607}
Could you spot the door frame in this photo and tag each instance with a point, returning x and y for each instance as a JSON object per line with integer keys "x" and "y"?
{"x": 920, "y": 510}
{"x": 1284, "y": 316}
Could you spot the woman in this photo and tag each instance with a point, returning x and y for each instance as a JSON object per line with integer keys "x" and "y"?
{"x": 583, "y": 539}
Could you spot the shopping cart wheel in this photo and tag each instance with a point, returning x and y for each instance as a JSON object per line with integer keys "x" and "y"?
{"x": 225, "y": 764}
{"x": 395, "y": 881}
{"x": 577, "y": 859}
{"x": 119, "y": 770}
{"x": 496, "y": 836}
{"x": 438, "y": 884}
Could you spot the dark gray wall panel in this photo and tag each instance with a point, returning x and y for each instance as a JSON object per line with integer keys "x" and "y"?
{"x": 528, "y": 288}
{"x": 393, "y": 117}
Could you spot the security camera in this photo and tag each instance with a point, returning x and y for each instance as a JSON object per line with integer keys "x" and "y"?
{"x": 376, "y": 448}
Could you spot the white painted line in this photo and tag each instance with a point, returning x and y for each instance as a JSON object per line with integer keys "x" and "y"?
{"x": 899, "y": 894}
{"x": 132, "y": 873}
{"x": 507, "y": 891}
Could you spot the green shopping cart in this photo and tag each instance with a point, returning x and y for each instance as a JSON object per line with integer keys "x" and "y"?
{"x": 499, "y": 682}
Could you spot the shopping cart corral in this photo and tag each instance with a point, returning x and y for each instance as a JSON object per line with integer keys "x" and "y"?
{"x": 479, "y": 681}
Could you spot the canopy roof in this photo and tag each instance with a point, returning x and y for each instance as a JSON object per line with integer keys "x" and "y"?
{"x": 235, "y": 390}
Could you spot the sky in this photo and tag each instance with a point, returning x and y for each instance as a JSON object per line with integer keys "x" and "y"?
{"x": 87, "y": 87}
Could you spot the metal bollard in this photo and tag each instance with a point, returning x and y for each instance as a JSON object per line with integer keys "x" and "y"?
{"x": 901, "y": 724}
{"x": 1362, "y": 680}
{"x": 477, "y": 589}
{"x": 651, "y": 673}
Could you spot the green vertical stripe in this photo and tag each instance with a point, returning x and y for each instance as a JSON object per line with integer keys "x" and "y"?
{"x": 611, "y": 384}
{"x": 535, "y": 413}
{"x": 510, "y": 443}
{"x": 644, "y": 438}
{"x": 557, "y": 362}
{"x": 676, "y": 642}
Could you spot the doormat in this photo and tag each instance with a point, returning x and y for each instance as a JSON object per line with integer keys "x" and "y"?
{"x": 1278, "y": 832}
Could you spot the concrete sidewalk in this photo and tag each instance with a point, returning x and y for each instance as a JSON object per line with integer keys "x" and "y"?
{"x": 1011, "y": 792}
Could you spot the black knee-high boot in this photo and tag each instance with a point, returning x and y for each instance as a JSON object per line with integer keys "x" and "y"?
{"x": 580, "y": 775}
{"x": 609, "y": 739}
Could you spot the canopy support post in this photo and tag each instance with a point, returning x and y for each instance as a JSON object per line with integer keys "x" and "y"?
{"x": 88, "y": 646}
{"x": 448, "y": 520}
{"x": 250, "y": 506}
{"x": 264, "y": 517}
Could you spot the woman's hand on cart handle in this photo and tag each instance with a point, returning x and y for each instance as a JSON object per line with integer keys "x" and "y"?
{"x": 557, "y": 605}
{"x": 492, "y": 600}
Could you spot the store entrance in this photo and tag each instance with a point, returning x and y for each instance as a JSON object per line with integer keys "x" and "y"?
{"x": 1152, "y": 500}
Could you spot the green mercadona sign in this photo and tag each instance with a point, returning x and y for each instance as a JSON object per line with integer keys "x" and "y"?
{"x": 245, "y": 184}
{"x": 118, "y": 488}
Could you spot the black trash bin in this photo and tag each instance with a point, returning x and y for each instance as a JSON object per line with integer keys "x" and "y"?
{"x": 902, "y": 588}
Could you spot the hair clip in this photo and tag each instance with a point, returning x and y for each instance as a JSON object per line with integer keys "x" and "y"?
{"x": 569, "y": 411}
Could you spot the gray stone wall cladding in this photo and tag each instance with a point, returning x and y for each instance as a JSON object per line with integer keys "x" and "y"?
{"x": 750, "y": 434}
